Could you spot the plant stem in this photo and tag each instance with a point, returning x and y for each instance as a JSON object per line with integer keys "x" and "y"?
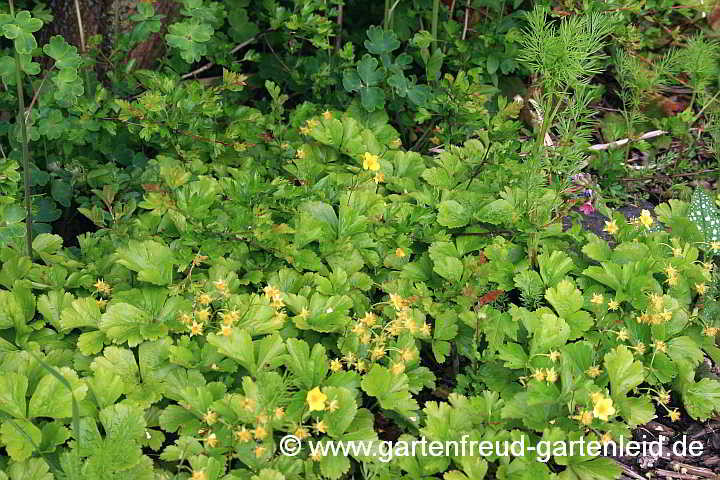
{"x": 434, "y": 25}
{"x": 25, "y": 149}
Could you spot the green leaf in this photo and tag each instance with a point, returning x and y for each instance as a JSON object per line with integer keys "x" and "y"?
{"x": 551, "y": 332}
{"x": 83, "y": 312}
{"x": 591, "y": 469}
{"x": 238, "y": 346}
{"x": 309, "y": 369}
{"x": 636, "y": 410}
{"x": 390, "y": 390}
{"x": 123, "y": 322}
{"x": 13, "y": 387}
{"x": 565, "y": 298}
{"x": 625, "y": 374}
{"x": 20, "y": 438}
{"x": 152, "y": 261}
{"x": 381, "y": 41}
{"x": 368, "y": 71}
{"x": 452, "y": 214}
{"x": 702, "y": 399}
{"x": 52, "y": 399}
{"x": 31, "y": 469}
{"x": 554, "y": 266}
{"x": 64, "y": 54}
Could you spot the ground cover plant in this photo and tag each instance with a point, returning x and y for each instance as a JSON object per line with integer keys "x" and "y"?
{"x": 351, "y": 222}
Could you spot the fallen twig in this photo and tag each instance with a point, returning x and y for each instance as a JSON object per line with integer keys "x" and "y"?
{"x": 624, "y": 141}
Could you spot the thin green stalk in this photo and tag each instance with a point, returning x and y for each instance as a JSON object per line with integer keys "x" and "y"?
{"x": 386, "y": 18}
{"x": 25, "y": 149}
{"x": 434, "y": 25}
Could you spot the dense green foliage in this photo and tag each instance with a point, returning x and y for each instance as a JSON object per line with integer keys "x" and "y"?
{"x": 310, "y": 241}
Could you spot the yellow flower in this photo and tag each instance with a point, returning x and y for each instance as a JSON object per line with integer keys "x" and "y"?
{"x": 202, "y": 315}
{"x": 259, "y": 451}
{"x": 398, "y": 302}
{"x": 701, "y": 288}
{"x": 657, "y": 301}
{"x": 622, "y": 335}
{"x": 320, "y": 427}
{"x": 640, "y": 348}
{"x": 230, "y": 317}
{"x": 316, "y": 456}
{"x": 211, "y": 440}
{"x": 198, "y": 475}
{"x": 677, "y": 251}
{"x": 333, "y": 405}
{"x": 262, "y": 419}
{"x": 336, "y": 365}
{"x": 425, "y": 329}
{"x": 606, "y": 438}
{"x": 596, "y": 397}
{"x": 279, "y": 412}
{"x": 435, "y": 140}
{"x": 249, "y": 404}
{"x": 646, "y": 219}
{"x": 101, "y": 302}
{"x": 370, "y": 162}
{"x": 360, "y": 366}
{"x": 670, "y": 271}
{"x": 597, "y": 299}
{"x": 316, "y": 399}
{"x": 663, "y": 397}
{"x": 196, "y": 329}
{"x": 300, "y": 153}
{"x": 611, "y": 227}
{"x": 539, "y": 375}
{"x": 714, "y": 246}
{"x": 554, "y": 355}
{"x": 397, "y": 368}
{"x": 613, "y": 305}
{"x": 327, "y": 114}
{"x": 243, "y": 435}
{"x": 220, "y": 285}
{"x": 102, "y": 287}
{"x": 210, "y": 417}
{"x": 603, "y": 409}
{"x": 551, "y": 375}
{"x": 301, "y": 433}
{"x": 710, "y": 331}
{"x": 260, "y": 432}
{"x": 660, "y": 346}
{"x": 397, "y": 143}
{"x": 674, "y": 415}
{"x": 593, "y": 371}
{"x": 204, "y": 299}
{"x": 399, "y": 252}
{"x": 312, "y": 123}
{"x": 407, "y": 354}
{"x": 586, "y": 417}
{"x": 379, "y": 177}
{"x": 226, "y": 330}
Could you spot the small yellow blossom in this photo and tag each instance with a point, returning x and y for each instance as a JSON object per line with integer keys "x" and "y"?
{"x": 316, "y": 456}
{"x": 701, "y": 288}
{"x": 435, "y": 140}
{"x": 312, "y": 123}
{"x": 593, "y": 371}
{"x": 301, "y": 433}
{"x": 640, "y": 348}
{"x": 551, "y": 375}
{"x": 597, "y": 299}
{"x": 407, "y": 354}
{"x": 370, "y": 162}
{"x": 360, "y": 366}
{"x": 358, "y": 329}
{"x": 316, "y": 399}
{"x": 622, "y": 335}
{"x": 226, "y": 330}
{"x": 320, "y": 427}
{"x": 327, "y": 114}
{"x": 249, "y": 404}
{"x": 260, "y": 432}
{"x": 677, "y": 251}
{"x": 210, "y": 417}
{"x": 220, "y": 285}
{"x": 333, "y": 405}
{"x": 196, "y": 329}
{"x": 586, "y": 417}
{"x": 377, "y": 352}
{"x": 211, "y": 440}
{"x": 304, "y": 131}
{"x": 660, "y": 346}
{"x": 198, "y": 475}
{"x": 243, "y": 435}
{"x": 185, "y": 318}
{"x": 554, "y": 355}
{"x": 613, "y": 305}
{"x": 714, "y": 246}
{"x": 663, "y": 397}
{"x": 606, "y": 438}
{"x": 710, "y": 331}
{"x": 262, "y": 419}
{"x": 304, "y": 313}
{"x": 102, "y": 287}
{"x": 657, "y": 301}
{"x": 259, "y": 451}
{"x": 646, "y": 219}
{"x": 202, "y": 315}
{"x": 101, "y": 302}
{"x": 336, "y": 365}
{"x": 596, "y": 397}
{"x": 611, "y": 227}
{"x": 425, "y": 329}
{"x": 397, "y": 143}
{"x": 399, "y": 252}
{"x": 204, "y": 299}
{"x": 379, "y": 177}
{"x": 230, "y": 317}
{"x": 539, "y": 375}
{"x": 397, "y": 368}
{"x": 674, "y": 415}
{"x": 279, "y": 412}
{"x": 369, "y": 319}
{"x": 398, "y": 302}
{"x": 603, "y": 409}
{"x": 300, "y": 153}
